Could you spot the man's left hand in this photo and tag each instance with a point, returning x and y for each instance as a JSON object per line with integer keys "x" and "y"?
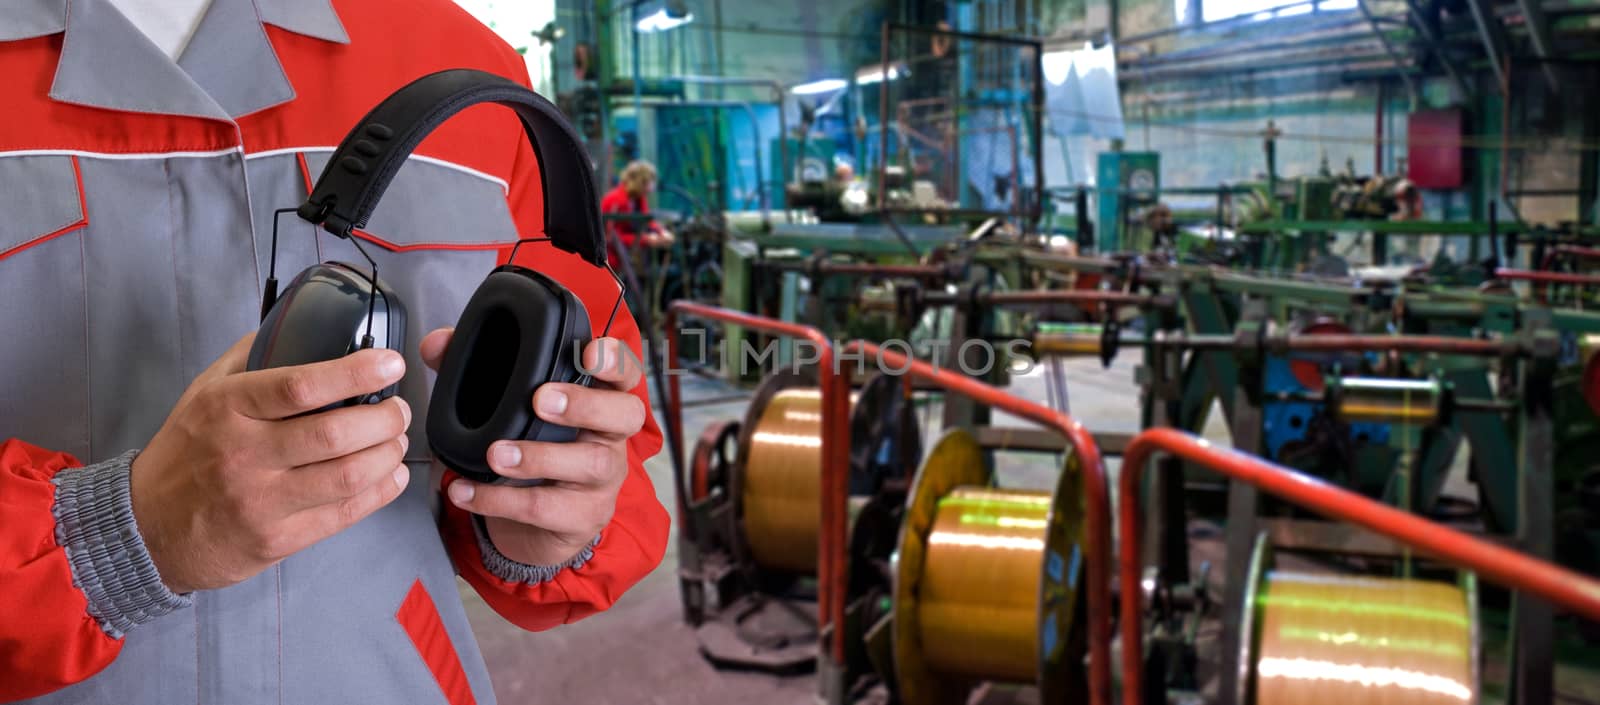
{"x": 551, "y": 523}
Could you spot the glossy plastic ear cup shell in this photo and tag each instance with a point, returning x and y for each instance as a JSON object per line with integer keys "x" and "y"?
{"x": 519, "y": 330}
{"x": 322, "y": 315}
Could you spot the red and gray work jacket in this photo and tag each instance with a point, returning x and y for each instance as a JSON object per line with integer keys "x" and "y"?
{"x": 136, "y": 200}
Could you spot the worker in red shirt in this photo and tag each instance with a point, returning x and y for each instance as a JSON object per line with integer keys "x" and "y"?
{"x": 174, "y": 528}
{"x": 630, "y": 196}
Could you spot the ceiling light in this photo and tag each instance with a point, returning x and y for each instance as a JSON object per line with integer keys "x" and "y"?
{"x": 825, "y": 85}
{"x": 661, "y": 21}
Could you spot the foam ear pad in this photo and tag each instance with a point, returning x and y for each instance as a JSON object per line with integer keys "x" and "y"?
{"x": 519, "y": 330}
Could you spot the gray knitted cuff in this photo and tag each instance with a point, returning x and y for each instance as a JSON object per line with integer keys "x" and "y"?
{"x": 110, "y": 564}
{"x": 511, "y": 571}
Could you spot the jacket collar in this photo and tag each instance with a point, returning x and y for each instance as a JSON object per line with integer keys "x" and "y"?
{"x": 228, "y": 70}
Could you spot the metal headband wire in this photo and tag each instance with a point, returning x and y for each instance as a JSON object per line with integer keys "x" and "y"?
{"x": 622, "y": 289}
{"x": 271, "y": 294}
{"x": 366, "y": 341}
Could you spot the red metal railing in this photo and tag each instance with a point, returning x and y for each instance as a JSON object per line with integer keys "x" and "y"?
{"x": 1574, "y": 251}
{"x": 1339, "y": 342}
{"x": 1098, "y": 538}
{"x": 1547, "y": 277}
{"x": 1560, "y": 586}
{"x": 835, "y": 450}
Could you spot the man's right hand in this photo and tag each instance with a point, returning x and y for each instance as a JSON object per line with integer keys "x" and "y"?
{"x": 236, "y": 480}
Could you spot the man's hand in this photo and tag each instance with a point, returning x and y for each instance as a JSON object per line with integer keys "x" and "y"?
{"x": 551, "y": 523}
{"x": 236, "y": 480}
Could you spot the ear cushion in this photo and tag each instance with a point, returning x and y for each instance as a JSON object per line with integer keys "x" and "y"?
{"x": 519, "y": 330}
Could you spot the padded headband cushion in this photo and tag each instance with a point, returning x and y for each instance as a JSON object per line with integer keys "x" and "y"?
{"x": 364, "y": 164}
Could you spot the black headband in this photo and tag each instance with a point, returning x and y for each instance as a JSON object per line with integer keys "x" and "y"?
{"x": 368, "y": 158}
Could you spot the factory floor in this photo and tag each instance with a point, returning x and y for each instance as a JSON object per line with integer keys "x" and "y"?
{"x": 640, "y": 651}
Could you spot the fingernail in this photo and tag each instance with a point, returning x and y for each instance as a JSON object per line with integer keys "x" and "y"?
{"x": 405, "y": 443}
{"x": 461, "y": 492}
{"x": 402, "y": 476}
{"x": 553, "y": 402}
{"x": 506, "y": 455}
{"x": 405, "y": 408}
{"x": 393, "y": 366}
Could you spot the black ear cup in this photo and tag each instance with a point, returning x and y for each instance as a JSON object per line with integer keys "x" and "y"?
{"x": 519, "y": 330}
{"x": 322, "y": 315}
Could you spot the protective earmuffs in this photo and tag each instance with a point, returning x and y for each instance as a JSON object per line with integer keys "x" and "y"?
{"x": 521, "y": 328}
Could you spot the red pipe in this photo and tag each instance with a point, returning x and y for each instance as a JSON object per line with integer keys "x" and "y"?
{"x": 1560, "y": 586}
{"x": 1064, "y": 296}
{"x": 1399, "y": 343}
{"x": 1577, "y": 251}
{"x": 1548, "y": 277}
{"x": 835, "y": 451}
{"x": 920, "y": 271}
{"x": 1094, "y": 487}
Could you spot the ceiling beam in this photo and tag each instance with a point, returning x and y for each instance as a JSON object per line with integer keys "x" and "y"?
{"x": 1539, "y": 33}
{"x": 1493, "y": 39}
{"x": 1431, "y": 35}
{"x": 1388, "y": 48}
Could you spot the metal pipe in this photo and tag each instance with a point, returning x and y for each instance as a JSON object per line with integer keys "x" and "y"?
{"x": 1007, "y": 298}
{"x": 835, "y": 453}
{"x": 1577, "y": 251}
{"x": 883, "y": 118}
{"x": 1504, "y": 566}
{"x": 1547, "y": 277}
{"x": 1396, "y": 343}
{"x": 1098, "y": 538}
{"x": 916, "y": 271}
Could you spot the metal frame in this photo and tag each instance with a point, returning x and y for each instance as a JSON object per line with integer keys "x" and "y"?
{"x": 835, "y": 459}
{"x": 1504, "y": 566}
{"x": 1036, "y": 129}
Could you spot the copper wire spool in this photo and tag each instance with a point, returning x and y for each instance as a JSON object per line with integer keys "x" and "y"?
{"x": 1587, "y": 346}
{"x": 778, "y": 477}
{"x": 1336, "y": 640}
{"x": 986, "y": 581}
{"x": 1075, "y": 340}
{"x": 1380, "y": 400}
{"x": 783, "y": 482}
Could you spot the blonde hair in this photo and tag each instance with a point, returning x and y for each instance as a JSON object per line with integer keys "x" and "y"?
{"x": 637, "y": 174}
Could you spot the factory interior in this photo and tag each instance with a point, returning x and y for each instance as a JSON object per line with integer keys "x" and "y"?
{"x": 1096, "y": 351}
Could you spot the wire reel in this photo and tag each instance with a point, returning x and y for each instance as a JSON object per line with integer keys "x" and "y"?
{"x": 986, "y": 582}
{"x": 777, "y": 478}
{"x": 758, "y": 484}
{"x": 1326, "y": 639}
{"x": 713, "y": 458}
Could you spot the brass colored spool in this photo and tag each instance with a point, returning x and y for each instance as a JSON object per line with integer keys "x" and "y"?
{"x": 986, "y": 581}
{"x": 1379, "y": 400}
{"x": 1077, "y": 340}
{"x": 1336, "y": 640}
{"x": 779, "y": 474}
{"x": 783, "y": 482}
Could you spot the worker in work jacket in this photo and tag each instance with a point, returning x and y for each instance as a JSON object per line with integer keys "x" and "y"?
{"x": 166, "y": 536}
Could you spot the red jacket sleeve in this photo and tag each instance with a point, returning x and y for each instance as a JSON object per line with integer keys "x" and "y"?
{"x": 636, "y": 539}
{"x": 47, "y": 638}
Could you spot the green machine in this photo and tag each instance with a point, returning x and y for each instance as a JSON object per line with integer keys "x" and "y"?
{"x": 1127, "y": 181}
